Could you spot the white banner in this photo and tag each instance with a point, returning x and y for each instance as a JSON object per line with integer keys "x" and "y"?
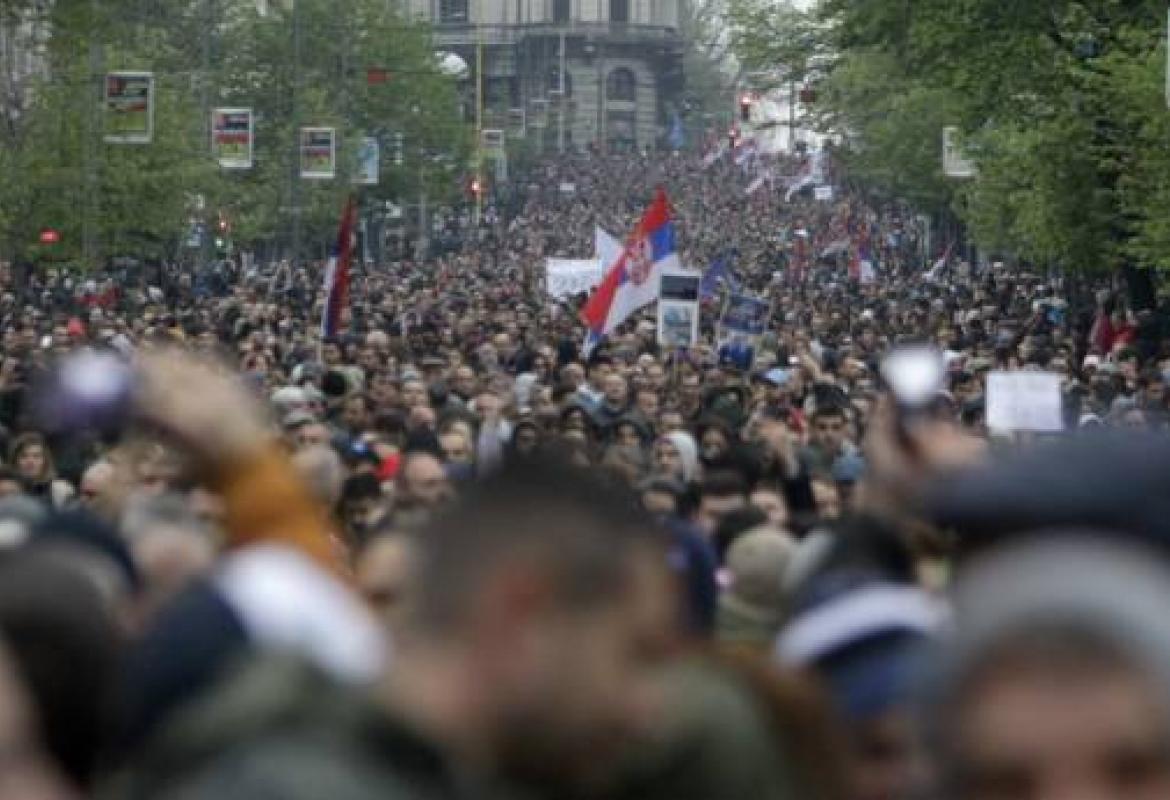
{"x": 567, "y": 277}
{"x": 1024, "y": 401}
{"x": 369, "y": 157}
{"x": 955, "y": 161}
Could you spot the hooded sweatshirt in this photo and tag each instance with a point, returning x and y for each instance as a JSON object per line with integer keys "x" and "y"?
{"x": 688, "y": 451}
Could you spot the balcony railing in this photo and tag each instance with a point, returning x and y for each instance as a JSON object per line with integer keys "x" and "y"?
{"x": 463, "y": 33}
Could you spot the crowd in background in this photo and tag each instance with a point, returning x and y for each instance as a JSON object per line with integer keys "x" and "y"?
{"x": 448, "y": 553}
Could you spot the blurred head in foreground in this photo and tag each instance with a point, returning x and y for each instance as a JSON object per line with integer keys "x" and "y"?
{"x": 540, "y": 612}
{"x": 27, "y": 774}
{"x": 1056, "y": 683}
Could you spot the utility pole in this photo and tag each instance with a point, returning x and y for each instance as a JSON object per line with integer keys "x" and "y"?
{"x": 295, "y": 167}
{"x": 94, "y": 93}
{"x": 563, "y": 100}
{"x": 208, "y": 28}
{"x": 792, "y": 114}
{"x": 479, "y": 112}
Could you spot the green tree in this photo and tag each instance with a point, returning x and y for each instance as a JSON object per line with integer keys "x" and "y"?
{"x": 1059, "y": 104}
{"x": 140, "y": 199}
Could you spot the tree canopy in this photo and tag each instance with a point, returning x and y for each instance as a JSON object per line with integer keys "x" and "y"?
{"x": 125, "y": 199}
{"x": 1060, "y": 105}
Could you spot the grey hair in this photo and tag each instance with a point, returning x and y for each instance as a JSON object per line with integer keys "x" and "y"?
{"x": 145, "y": 514}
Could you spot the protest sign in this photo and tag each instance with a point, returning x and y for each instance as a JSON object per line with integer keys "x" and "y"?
{"x": 745, "y": 316}
{"x": 232, "y": 137}
{"x": 678, "y": 309}
{"x": 566, "y": 277}
{"x": 1024, "y": 401}
{"x": 823, "y": 193}
{"x": 129, "y": 107}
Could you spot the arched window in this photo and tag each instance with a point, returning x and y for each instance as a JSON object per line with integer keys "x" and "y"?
{"x": 619, "y": 10}
{"x": 561, "y": 10}
{"x": 621, "y": 85}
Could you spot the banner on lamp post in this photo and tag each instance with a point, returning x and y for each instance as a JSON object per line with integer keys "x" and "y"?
{"x": 129, "y": 107}
{"x": 367, "y": 171}
{"x": 232, "y": 137}
{"x": 319, "y": 153}
{"x": 956, "y": 164}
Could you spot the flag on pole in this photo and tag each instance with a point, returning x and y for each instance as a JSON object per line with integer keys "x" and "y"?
{"x": 718, "y": 273}
{"x": 606, "y": 249}
{"x": 715, "y": 153}
{"x": 337, "y": 273}
{"x": 941, "y": 264}
{"x": 764, "y": 177}
{"x": 632, "y": 281}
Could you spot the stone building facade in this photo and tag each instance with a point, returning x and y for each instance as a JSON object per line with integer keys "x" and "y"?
{"x": 622, "y": 63}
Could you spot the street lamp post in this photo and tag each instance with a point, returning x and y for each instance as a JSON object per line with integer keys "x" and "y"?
{"x": 479, "y": 110}
{"x": 295, "y": 166}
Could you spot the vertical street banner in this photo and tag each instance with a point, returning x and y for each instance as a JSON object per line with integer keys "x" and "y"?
{"x": 232, "y": 137}
{"x": 129, "y": 107}
{"x": 369, "y": 155}
{"x": 319, "y": 153}
{"x": 956, "y": 163}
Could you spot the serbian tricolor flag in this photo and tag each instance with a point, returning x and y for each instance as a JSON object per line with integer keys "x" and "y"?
{"x": 337, "y": 274}
{"x": 632, "y": 281}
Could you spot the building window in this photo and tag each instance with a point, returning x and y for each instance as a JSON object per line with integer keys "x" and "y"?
{"x": 619, "y": 10}
{"x": 621, "y": 132}
{"x": 561, "y": 10}
{"x": 452, "y": 10}
{"x": 621, "y": 85}
{"x": 554, "y": 81}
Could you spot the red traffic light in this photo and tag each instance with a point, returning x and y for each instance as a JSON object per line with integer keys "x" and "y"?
{"x": 476, "y": 186}
{"x": 223, "y": 225}
{"x": 746, "y": 99}
{"x": 50, "y": 236}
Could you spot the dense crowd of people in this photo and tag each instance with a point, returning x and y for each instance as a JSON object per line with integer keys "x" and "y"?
{"x": 451, "y": 553}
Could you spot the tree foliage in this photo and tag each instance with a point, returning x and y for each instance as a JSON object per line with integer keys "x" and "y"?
{"x": 1060, "y": 105}
{"x": 56, "y": 171}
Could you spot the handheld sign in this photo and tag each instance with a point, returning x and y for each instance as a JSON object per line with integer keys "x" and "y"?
{"x": 678, "y": 309}
{"x": 1024, "y": 401}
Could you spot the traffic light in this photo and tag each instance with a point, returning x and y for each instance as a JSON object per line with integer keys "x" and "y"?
{"x": 745, "y": 106}
{"x": 223, "y": 226}
{"x": 399, "y": 154}
{"x": 476, "y": 187}
{"x": 733, "y": 137}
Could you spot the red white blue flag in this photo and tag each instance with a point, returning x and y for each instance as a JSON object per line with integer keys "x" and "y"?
{"x": 337, "y": 273}
{"x": 632, "y": 281}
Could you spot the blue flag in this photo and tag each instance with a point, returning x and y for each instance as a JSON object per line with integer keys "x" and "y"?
{"x": 718, "y": 273}
{"x": 677, "y": 139}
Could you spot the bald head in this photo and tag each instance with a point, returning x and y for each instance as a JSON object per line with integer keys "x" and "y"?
{"x": 322, "y": 471}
